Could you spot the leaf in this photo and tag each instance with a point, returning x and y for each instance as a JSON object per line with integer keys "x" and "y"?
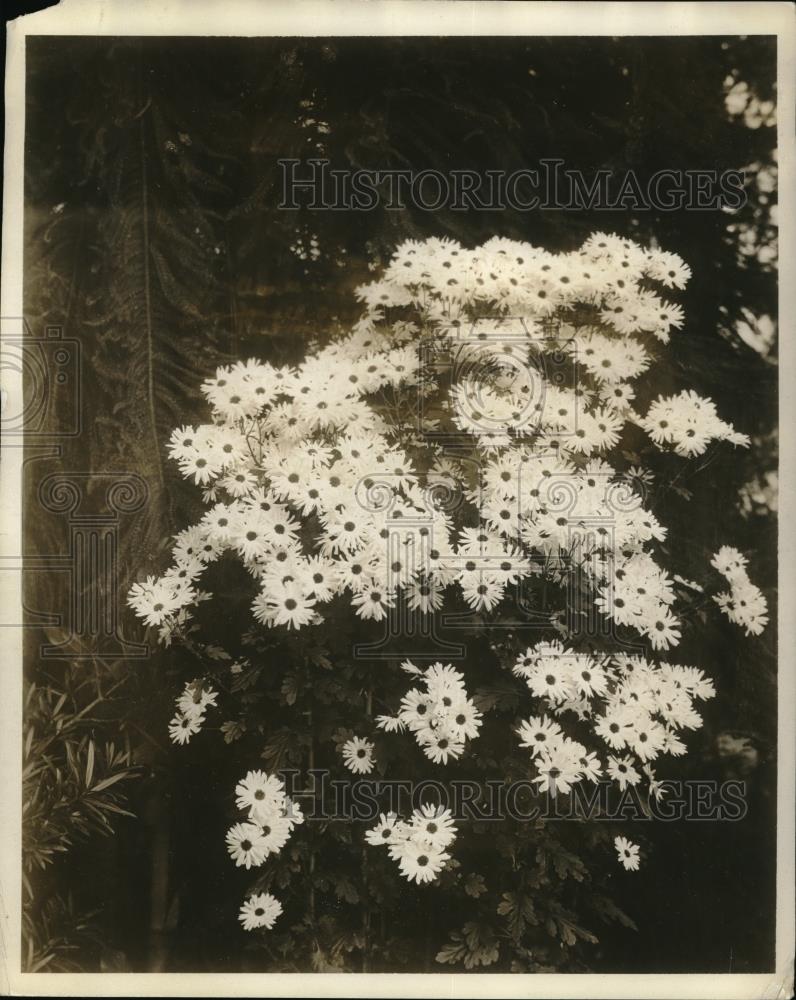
{"x": 501, "y": 696}
{"x": 90, "y": 763}
{"x": 474, "y": 885}
{"x": 482, "y": 945}
{"x": 518, "y": 910}
{"x": 454, "y": 951}
{"x": 247, "y": 678}
{"x": 608, "y": 910}
{"x": 570, "y": 932}
{"x": 233, "y": 730}
{"x": 277, "y": 749}
{"x": 347, "y": 891}
{"x": 118, "y": 809}
{"x": 568, "y": 865}
{"x": 107, "y": 782}
{"x": 290, "y": 688}
{"x": 216, "y": 652}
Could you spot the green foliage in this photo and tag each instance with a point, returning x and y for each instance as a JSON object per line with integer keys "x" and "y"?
{"x": 72, "y": 790}
{"x": 58, "y": 939}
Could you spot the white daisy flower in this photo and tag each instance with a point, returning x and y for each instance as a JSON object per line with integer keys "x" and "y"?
{"x": 275, "y": 830}
{"x": 260, "y": 791}
{"x": 622, "y": 771}
{"x": 260, "y": 911}
{"x": 358, "y": 755}
{"x": 387, "y": 831}
{"x": 183, "y": 727}
{"x": 196, "y": 698}
{"x": 246, "y": 845}
{"x": 539, "y": 733}
{"x": 419, "y": 861}
{"x": 628, "y": 853}
{"x": 434, "y": 824}
{"x": 440, "y": 745}
{"x": 390, "y": 723}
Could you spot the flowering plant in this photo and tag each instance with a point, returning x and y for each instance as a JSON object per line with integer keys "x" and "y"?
{"x": 460, "y": 450}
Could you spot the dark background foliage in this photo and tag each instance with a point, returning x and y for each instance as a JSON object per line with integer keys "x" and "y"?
{"x": 154, "y": 238}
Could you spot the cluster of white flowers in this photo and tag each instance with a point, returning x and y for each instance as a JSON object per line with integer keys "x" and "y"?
{"x": 453, "y": 444}
{"x": 744, "y": 603}
{"x": 272, "y": 815}
{"x": 636, "y": 709}
{"x": 441, "y": 716}
{"x": 332, "y": 477}
{"x": 358, "y": 755}
{"x": 419, "y": 845}
{"x": 191, "y": 707}
{"x": 688, "y": 423}
{"x": 158, "y": 599}
{"x": 607, "y": 272}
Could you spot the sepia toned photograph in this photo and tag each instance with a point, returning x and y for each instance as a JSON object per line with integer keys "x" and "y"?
{"x": 396, "y": 452}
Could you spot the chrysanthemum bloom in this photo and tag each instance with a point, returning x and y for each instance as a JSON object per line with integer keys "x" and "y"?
{"x": 275, "y": 830}
{"x": 183, "y": 727}
{"x": 259, "y": 911}
{"x": 246, "y": 845}
{"x": 745, "y": 604}
{"x": 628, "y": 853}
{"x": 539, "y": 733}
{"x": 559, "y": 766}
{"x": 155, "y": 599}
{"x": 195, "y": 699}
{"x": 419, "y": 860}
{"x": 358, "y": 755}
{"x": 435, "y": 825}
{"x": 623, "y": 772}
{"x": 388, "y": 830}
{"x": 440, "y": 744}
{"x": 260, "y": 791}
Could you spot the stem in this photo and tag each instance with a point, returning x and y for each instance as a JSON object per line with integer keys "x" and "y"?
{"x": 148, "y": 296}
{"x": 311, "y": 761}
{"x": 365, "y": 863}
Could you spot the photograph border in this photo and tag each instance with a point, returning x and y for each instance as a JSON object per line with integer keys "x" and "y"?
{"x": 249, "y": 18}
